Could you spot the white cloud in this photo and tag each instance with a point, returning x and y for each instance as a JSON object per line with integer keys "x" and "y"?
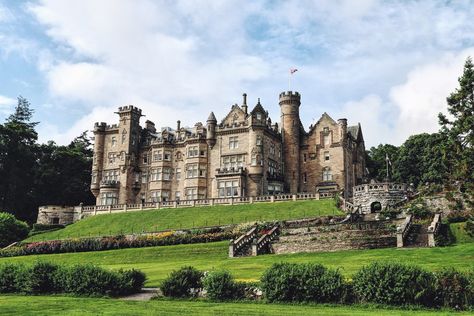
{"x": 6, "y": 104}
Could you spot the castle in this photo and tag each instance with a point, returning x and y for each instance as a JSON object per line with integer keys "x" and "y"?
{"x": 243, "y": 155}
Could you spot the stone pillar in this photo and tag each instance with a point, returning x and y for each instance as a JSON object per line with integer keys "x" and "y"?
{"x": 231, "y": 248}
{"x": 272, "y": 198}
{"x": 254, "y": 249}
{"x": 431, "y": 239}
{"x": 293, "y": 197}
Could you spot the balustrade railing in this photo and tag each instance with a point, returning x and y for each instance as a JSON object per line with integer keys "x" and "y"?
{"x": 263, "y": 242}
{"x": 235, "y": 246}
{"x": 403, "y": 230}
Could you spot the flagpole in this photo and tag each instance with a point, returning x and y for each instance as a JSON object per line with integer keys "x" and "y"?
{"x": 289, "y": 80}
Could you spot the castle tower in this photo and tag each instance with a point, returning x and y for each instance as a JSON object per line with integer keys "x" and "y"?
{"x": 211, "y": 130}
{"x": 290, "y": 129}
{"x": 98, "y": 160}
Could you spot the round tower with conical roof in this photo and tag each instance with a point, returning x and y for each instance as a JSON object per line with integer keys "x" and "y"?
{"x": 290, "y": 128}
{"x": 211, "y": 130}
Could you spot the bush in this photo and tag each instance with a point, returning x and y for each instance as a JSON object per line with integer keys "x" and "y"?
{"x": 184, "y": 282}
{"x": 458, "y": 216}
{"x": 43, "y": 277}
{"x": 11, "y": 276}
{"x": 130, "y": 281}
{"x": 220, "y": 285}
{"x": 453, "y": 289}
{"x": 11, "y": 229}
{"x": 288, "y": 282}
{"x": 470, "y": 227}
{"x": 42, "y": 227}
{"x": 394, "y": 284}
{"x": 91, "y": 280}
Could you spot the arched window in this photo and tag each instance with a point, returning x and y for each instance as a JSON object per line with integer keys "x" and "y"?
{"x": 327, "y": 174}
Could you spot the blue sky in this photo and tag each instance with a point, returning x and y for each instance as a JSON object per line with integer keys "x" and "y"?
{"x": 386, "y": 64}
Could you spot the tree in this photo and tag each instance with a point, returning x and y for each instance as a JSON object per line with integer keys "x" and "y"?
{"x": 11, "y": 229}
{"x": 377, "y": 163}
{"x": 459, "y": 127}
{"x": 17, "y": 161}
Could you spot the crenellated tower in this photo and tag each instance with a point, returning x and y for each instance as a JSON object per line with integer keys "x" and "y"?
{"x": 290, "y": 128}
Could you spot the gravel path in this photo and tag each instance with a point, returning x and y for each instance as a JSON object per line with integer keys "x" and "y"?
{"x": 145, "y": 295}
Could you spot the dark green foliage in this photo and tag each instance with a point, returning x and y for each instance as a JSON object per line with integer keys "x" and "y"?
{"x": 182, "y": 283}
{"x": 458, "y": 216}
{"x": 459, "y": 127}
{"x": 419, "y": 209}
{"x": 220, "y": 285}
{"x": 453, "y": 289}
{"x": 394, "y": 284}
{"x": 445, "y": 236}
{"x": 11, "y": 277}
{"x": 43, "y": 227}
{"x": 377, "y": 163}
{"x": 289, "y": 282}
{"x": 130, "y": 281}
{"x": 42, "y": 277}
{"x": 90, "y": 280}
{"x": 470, "y": 227}
{"x": 11, "y": 229}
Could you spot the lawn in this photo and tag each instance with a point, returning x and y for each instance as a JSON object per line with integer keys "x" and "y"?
{"x": 57, "y": 305}
{"x": 156, "y": 220}
{"x": 158, "y": 262}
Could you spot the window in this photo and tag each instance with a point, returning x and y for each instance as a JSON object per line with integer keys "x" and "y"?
{"x": 193, "y": 151}
{"x": 108, "y": 198}
{"x": 272, "y": 149}
{"x": 158, "y": 196}
{"x": 229, "y": 188}
{"x": 114, "y": 141}
{"x": 94, "y": 177}
{"x": 110, "y": 175}
{"x": 259, "y": 116}
{"x": 326, "y": 130}
{"x": 137, "y": 177}
{"x": 166, "y": 173}
{"x": 192, "y": 171}
{"x": 274, "y": 188}
{"x": 144, "y": 177}
{"x": 155, "y": 174}
{"x": 327, "y": 174}
{"x": 259, "y": 140}
{"x": 178, "y": 155}
{"x": 326, "y": 155}
{"x": 145, "y": 158}
{"x": 202, "y": 171}
{"x": 304, "y": 157}
{"x": 124, "y": 136}
{"x": 272, "y": 167}
{"x": 304, "y": 177}
{"x": 326, "y": 140}
{"x": 191, "y": 193}
{"x": 202, "y": 153}
{"x": 233, "y": 142}
{"x": 230, "y": 162}
{"x": 112, "y": 157}
{"x": 167, "y": 155}
{"x": 157, "y": 155}
{"x": 178, "y": 173}
{"x": 177, "y": 195}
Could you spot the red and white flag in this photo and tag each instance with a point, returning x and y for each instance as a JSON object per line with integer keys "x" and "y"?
{"x": 293, "y": 70}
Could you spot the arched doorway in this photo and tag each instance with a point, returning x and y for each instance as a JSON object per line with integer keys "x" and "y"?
{"x": 375, "y": 207}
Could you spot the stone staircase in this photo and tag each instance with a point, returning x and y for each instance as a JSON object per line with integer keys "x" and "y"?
{"x": 417, "y": 236}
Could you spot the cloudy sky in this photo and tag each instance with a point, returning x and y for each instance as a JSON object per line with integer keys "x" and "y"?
{"x": 386, "y": 64}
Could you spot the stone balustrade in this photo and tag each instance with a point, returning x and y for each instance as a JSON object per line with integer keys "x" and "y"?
{"x": 259, "y": 246}
{"x": 403, "y": 229}
{"x": 235, "y": 246}
{"x": 433, "y": 230}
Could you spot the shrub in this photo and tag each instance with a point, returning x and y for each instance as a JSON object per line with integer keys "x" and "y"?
{"x": 43, "y": 277}
{"x": 11, "y": 276}
{"x": 470, "y": 227}
{"x": 394, "y": 284}
{"x": 458, "y": 216}
{"x": 220, "y": 285}
{"x": 11, "y": 229}
{"x": 130, "y": 281}
{"x": 453, "y": 289}
{"x": 182, "y": 282}
{"x": 90, "y": 280}
{"x": 288, "y": 282}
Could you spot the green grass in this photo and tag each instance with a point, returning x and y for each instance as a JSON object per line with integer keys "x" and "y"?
{"x": 459, "y": 232}
{"x": 57, "y": 305}
{"x": 156, "y": 220}
{"x": 158, "y": 262}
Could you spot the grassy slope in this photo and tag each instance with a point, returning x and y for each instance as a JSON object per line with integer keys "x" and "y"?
{"x": 457, "y": 229}
{"x": 155, "y": 220}
{"x": 56, "y": 305}
{"x": 158, "y": 262}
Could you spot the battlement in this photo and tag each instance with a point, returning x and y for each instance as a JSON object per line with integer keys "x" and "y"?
{"x": 129, "y": 108}
{"x": 291, "y": 97}
{"x": 100, "y": 127}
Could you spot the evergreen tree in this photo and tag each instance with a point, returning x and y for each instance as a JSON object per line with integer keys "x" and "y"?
{"x": 459, "y": 127}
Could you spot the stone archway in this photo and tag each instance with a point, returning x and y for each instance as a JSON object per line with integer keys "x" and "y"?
{"x": 375, "y": 206}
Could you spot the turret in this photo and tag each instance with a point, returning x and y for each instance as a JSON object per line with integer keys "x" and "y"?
{"x": 290, "y": 129}
{"x": 211, "y": 130}
{"x": 342, "y": 129}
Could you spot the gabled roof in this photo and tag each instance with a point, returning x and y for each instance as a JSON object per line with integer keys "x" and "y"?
{"x": 323, "y": 116}
{"x": 258, "y": 108}
{"x": 235, "y": 108}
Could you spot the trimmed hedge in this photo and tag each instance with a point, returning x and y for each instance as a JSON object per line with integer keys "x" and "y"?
{"x": 88, "y": 280}
{"x": 454, "y": 289}
{"x": 394, "y": 284}
{"x": 290, "y": 282}
{"x": 114, "y": 242}
{"x": 220, "y": 286}
{"x": 185, "y": 282}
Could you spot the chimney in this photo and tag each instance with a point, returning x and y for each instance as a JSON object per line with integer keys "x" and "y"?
{"x": 178, "y": 127}
{"x": 244, "y": 104}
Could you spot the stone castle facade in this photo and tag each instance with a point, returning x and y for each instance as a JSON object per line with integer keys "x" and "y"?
{"x": 244, "y": 154}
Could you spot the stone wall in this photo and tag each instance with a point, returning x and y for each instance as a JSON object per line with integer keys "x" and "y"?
{"x": 54, "y": 214}
{"x": 387, "y": 194}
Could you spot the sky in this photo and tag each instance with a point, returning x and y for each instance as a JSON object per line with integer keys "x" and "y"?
{"x": 387, "y": 64}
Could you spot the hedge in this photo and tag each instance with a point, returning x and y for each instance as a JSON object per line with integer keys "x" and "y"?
{"x": 114, "y": 242}
{"x": 85, "y": 280}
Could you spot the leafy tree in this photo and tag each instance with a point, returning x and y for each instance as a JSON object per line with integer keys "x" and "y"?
{"x": 459, "y": 127}
{"x": 17, "y": 160}
{"x": 377, "y": 163}
{"x": 11, "y": 229}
